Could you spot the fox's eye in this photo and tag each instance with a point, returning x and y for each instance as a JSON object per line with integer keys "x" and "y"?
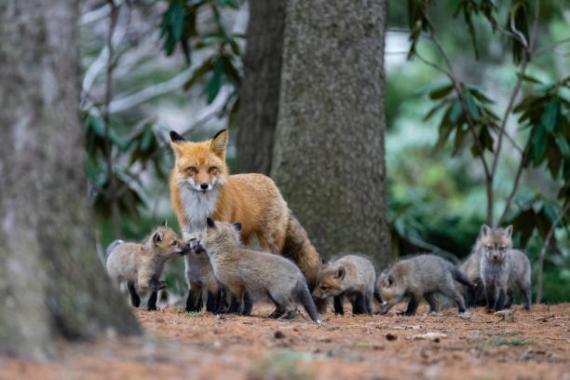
{"x": 174, "y": 243}
{"x": 213, "y": 170}
{"x": 192, "y": 170}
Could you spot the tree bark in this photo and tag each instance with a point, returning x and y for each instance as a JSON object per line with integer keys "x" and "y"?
{"x": 51, "y": 283}
{"x": 329, "y": 154}
{"x": 259, "y": 94}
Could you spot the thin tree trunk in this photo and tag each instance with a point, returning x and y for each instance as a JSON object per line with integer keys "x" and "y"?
{"x": 259, "y": 94}
{"x": 51, "y": 283}
{"x": 329, "y": 153}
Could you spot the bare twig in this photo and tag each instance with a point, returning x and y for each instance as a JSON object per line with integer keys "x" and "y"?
{"x": 433, "y": 65}
{"x": 514, "y": 189}
{"x": 129, "y": 101}
{"x": 540, "y": 274}
{"x": 513, "y": 143}
{"x": 553, "y": 46}
{"x": 471, "y": 125}
{"x": 502, "y": 131}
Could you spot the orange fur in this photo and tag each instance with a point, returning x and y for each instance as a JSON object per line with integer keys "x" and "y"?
{"x": 251, "y": 199}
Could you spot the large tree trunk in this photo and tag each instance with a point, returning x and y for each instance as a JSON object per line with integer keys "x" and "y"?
{"x": 259, "y": 95}
{"x": 51, "y": 282}
{"x": 329, "y": 153}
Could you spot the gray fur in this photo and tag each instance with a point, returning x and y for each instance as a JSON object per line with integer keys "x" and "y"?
{"x": 140, "y": 265}
{"x": 418, "y": 278}
{"x": 503, "y": 268}
{"x": 356, "y": 283}
{"x": 259, "y": 274}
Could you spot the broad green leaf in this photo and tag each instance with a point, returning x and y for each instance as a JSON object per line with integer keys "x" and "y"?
{"x": 215, "y": 83}
{"x": 550, "y": 116}
{"x": 472, "y": 107}
{"x": 456, "y": 111}
{"x": 441, "y": 92}
{"x": 529, "y": 78}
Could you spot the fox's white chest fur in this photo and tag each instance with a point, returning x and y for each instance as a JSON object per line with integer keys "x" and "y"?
{"x": 197, "y": 207}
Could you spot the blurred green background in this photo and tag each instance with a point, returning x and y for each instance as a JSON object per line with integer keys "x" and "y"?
{"x": 436, "y": 195}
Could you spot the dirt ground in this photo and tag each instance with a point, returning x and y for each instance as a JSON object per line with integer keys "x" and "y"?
{"x": 178, "y": 345}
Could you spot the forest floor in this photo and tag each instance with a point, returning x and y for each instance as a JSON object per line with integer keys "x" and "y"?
{"x": 179, "y": 345}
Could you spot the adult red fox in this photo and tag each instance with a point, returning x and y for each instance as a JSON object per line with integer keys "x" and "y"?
{"x": 201, "y": 187}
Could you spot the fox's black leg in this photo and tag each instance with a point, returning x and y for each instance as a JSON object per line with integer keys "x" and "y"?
{"x": 194, "y": 300}
{"x": 368, "y": 304}
{"x": 412, "y": 306}
{"x": 490, "y": 296}
{"x": 212, "y": 302}
{"x": 247, "y": 304}
{"x": 235, "y": 304}
{"x": 135, "y": 299}
{"x": 500, "y": 303}
{"x": 151, "y": 305}
{"x": 358, "y": 304}
{"x": 338, "y": 307}
{"x": 430, "y": 298}
{"x": 280, "y": 307}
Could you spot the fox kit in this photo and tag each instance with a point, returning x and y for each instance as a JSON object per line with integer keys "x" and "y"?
{"x": 201, "y": 187}
{"x": 140, "y": 265}
{"x": 256, "y": 274}
{"x": 352, "y": 276}
{"x": 502, "y": 268}
{"x": 421, "y": 277}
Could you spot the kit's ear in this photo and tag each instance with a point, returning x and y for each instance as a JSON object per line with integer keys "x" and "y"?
{"x": 509, "y": 231}
{"x": 341, "y": 273}
{"x": 485, "y": 230}
{"x": 157, "y": 238}
{"x": 164, "y": 223}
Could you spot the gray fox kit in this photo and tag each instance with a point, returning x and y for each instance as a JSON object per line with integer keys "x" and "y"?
{"x": 502, "y": 268}
{"x": 350, "y": 276}
{"x": 421, "y": 277}
{"x": 140, "y": 265}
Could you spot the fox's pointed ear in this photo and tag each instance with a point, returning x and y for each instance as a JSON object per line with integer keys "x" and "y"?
{"x": 485, "y": 230}
{"x": 237, "y": 226}
{"x": 219, "y": 143}
{"x": 509, "y": 231}
{"x": 157, "y": 237}
{"x": 175, "y": 137}
{"x": 341, "y": 272}
{"x": 210, "y": 223}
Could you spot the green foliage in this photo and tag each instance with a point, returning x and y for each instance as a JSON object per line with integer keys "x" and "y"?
{"x": 533, "y": 213}
{"x": 130, "y": 154}
{"x": 546, "y": 112}
{"x": 458, "y": 107}
{"x": 223, "y": 66}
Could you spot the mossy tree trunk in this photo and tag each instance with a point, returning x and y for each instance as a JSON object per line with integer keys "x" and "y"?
{"x": 259, "y": 95}
{"x": 329, "y": 151}
{"x": 51, "y": 283}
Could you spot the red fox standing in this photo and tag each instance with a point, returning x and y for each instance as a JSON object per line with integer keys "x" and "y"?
{"x": 201, "y": 187}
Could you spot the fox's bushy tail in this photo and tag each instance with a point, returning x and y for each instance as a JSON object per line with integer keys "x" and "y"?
{"x": 298, "y": 248}
{"x": 306, "y": 300}
{"x": 459, "y": 276}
